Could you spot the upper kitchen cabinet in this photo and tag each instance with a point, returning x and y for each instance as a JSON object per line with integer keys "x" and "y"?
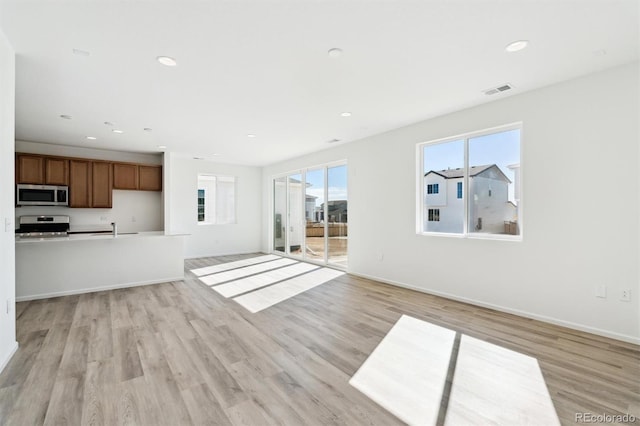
{"x": 29, "y": 169}
{"x": 35, "y": 169}
{"x": 150, "y": 178}
{"x": 80, "y": 183}
{"x": 125, "y": 176}
{"x": 56, "y": 171}
{"x": 102, "y": 184}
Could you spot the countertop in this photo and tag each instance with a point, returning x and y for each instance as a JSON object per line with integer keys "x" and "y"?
{"x": 96, "y": 237}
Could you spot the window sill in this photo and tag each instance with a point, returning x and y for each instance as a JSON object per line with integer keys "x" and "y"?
{"x": 475, "y": 236}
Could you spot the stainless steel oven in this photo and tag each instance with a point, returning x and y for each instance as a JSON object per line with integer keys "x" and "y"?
{"x": 42, "y": 195}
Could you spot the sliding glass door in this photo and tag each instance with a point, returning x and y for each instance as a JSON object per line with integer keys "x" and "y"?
{"x": 337, "y": 204}
{"x": 314, "y": 212}
{"x": 310, "y": 210}
{"x": 279, "y": 214}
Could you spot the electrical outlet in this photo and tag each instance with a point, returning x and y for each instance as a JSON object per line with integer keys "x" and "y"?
{"x": 625, "y": 295}
{"x": 103, "y": 218}
{"x": 601, "y": 291}
{"x": 133, "y": 218}
{"x": 7, "y": 225}
{"x": 9, "y": 306}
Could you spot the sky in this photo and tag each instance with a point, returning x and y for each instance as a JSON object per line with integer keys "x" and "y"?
{"x": 498, "y": 148}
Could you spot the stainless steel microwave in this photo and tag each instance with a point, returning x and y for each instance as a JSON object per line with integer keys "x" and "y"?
{"x": 42, "y": 195}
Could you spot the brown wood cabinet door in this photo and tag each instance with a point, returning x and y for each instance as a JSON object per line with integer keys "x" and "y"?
{"x": 30, "y": 169}
{"x": 56, "y": 171}
{"x": 79, "y": 183}
{"x": 150, "y": 178}
{"x": 125, "y": 176}
{"x": 102, "y": 184}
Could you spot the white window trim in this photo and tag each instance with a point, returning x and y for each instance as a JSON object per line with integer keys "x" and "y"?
{"x": 420, "y": 187}
{"x": 235, "y": 200}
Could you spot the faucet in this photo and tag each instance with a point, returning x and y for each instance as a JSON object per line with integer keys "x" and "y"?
{"x": 114, "y": 230}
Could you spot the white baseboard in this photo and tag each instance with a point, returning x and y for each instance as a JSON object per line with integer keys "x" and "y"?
{"x": 95, "y": 289}
{"x": 525, "y": 314}
{"x": 5, "y": 361}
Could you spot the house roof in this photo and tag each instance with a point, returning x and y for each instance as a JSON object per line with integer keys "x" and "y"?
{"x": 474, "y": 171}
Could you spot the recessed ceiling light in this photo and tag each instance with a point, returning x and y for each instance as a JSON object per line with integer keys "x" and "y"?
{"x": 335, "y": 52}
{"x": 516, "y": 46}
{"x": 251, "y": 135}
{"x": 66, "y": 117}
{"x": 108, "y": 123}
{"x": 81, "y": 52}
{"x": 162, "y": 147}
{"x": 147, "y": 129}
{"x": 198, "y": 158}
{"x": 346, "y": 114}
{"x": 333, "y": 140}
{"x": 117, "y": 131}
{"x": 600, "y": 52}
{"x": 91, "y": 138}
{"x": 166, "y": 60}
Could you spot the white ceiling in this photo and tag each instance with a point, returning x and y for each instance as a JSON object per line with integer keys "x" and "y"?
{"x": 261, "y": 67}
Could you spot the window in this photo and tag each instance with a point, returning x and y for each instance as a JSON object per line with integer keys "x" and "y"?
{"x": 216, "y": 199}
{"x": 483, "y": 170}
{"x": 200, "y": 205}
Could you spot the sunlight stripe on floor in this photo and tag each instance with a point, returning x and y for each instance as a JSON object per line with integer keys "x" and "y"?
{"x": 232, "y": 265}
{"x": 406, "y": 373}
{"x": 269, "y": 296}
{"x": 244, "y": 285}
{"x": 245, "y": 271}
{"x": 495, "y": 385}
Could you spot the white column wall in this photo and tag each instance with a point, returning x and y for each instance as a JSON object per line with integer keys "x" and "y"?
{"x": 8, "y": 343}
{"x": 578, "y": 137}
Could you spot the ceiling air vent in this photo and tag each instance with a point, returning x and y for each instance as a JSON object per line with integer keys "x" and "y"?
{"x": 498, "y": 89}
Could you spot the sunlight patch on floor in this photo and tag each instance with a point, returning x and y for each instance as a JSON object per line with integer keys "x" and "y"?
{"x": 254, "y": 282}
{"x": 276, "y": 293}
{"x": 232, "y": 265}
{"x": 488, "y": 384}
{"x": 233, "y": 274}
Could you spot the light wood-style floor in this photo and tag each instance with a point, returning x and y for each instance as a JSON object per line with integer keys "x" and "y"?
{"x": 179, "y": 353}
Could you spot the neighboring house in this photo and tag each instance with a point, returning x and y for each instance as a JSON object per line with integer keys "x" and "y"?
{"x": 489, "y": 208}
{"x": 337, "y": 211}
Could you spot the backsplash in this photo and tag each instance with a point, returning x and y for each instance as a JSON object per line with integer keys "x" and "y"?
{"x": 133, "y": 211}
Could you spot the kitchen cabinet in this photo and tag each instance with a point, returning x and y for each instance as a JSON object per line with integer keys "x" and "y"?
{"x": 36, "y": 169}
{"x": 56, "y": 171}
{"x": 125, "y": 176}
{"x": 91, "y": 182}
{"x": 30, "y": 169}
{"x": 79, "y": 183}
{"x": 150, "y": 178}
{"x": 101, "y": 184}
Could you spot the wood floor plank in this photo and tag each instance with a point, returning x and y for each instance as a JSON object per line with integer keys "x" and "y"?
{"x": 180, "y": 353}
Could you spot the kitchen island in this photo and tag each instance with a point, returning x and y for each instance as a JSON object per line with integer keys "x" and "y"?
{"x": 81, "y": 263}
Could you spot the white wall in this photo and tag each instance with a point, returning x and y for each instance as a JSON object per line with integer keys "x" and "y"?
{"x": 574, "y": 133}
{"x": 133, "y": 211}
{"x": 8, "y": 342}
{"x": 181, "y": 180}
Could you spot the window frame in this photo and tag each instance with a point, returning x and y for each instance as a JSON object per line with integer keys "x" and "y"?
{"x": 214, "y": 215}
{"x": 421, "y": 187}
